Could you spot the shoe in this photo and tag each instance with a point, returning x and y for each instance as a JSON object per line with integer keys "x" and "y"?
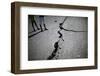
{"x": 41, "y": 30}
{"x": 34, "y": 30}
{"x": 38, "y": 28}
{"x": 45, "y": 27}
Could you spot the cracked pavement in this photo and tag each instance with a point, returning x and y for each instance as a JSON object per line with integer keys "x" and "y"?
{"x": 74, "y": 33}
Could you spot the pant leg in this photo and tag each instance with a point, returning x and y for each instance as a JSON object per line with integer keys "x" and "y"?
{"x": 40, "y": 21}
{"x": 44, "y": 24}
{"x": 36, "y": 25}
{"x": 32, "y": 22}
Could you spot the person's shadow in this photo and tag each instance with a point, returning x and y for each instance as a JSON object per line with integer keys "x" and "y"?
{"x": 37, "y": 28}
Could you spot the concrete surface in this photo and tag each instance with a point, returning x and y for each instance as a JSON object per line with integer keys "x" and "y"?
{"x": 74, "y": 46}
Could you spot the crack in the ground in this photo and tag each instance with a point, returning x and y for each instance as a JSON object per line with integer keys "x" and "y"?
{"x": 55, "y": 53}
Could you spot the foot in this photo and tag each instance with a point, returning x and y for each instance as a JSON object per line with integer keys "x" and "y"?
{"x": 38, "y": 28}
{"x": 41, "y": 30}
{"x": 45, "y": 27}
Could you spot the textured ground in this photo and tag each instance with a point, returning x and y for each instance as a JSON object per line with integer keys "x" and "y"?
{"x": 41, "y": 45}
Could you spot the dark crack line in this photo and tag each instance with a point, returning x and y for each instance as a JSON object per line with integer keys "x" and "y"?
{"x": 56, "y": 44}
{"x": 60, "y": 35}
{"x": 61, "y": 27}
{"x": 72, "y": 30}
